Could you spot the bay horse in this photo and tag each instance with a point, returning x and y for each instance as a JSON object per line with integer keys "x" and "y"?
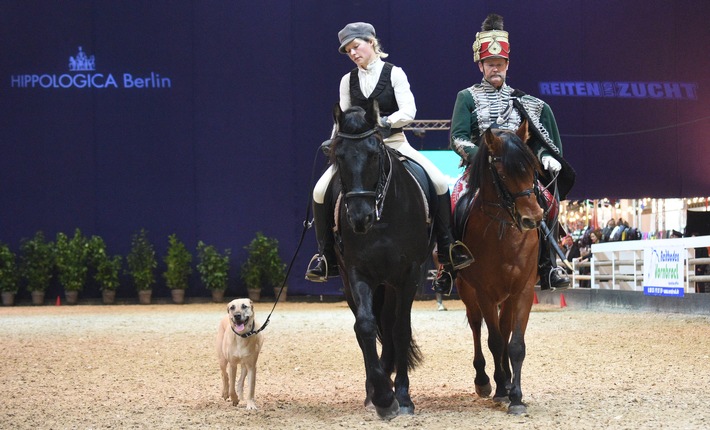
{"x": 502, "y": 233}
{"x": 383, "y": 244}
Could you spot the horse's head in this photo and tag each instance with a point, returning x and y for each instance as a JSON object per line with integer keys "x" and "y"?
{"x": 359, "y": 154}
{"x": 514, "y": 170}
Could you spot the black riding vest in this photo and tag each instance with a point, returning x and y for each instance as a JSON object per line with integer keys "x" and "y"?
{"x": 383, "y": 93}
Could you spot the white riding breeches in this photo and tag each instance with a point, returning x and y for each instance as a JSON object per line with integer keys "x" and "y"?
{"x": 399, "y": 142}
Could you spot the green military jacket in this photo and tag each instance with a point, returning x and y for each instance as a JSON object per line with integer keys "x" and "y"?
{"x": 483, "y": 106}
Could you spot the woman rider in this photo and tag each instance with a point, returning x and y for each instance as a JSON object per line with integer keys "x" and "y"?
{"x": 374, "y": 78}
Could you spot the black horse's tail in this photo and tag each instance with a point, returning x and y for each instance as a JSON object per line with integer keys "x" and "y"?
{"x": 383, "y": 309}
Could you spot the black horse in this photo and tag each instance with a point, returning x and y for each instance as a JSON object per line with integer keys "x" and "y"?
{"x": 383, "y": 243}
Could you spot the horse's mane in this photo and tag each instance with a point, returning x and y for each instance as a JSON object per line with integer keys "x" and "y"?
{"x": 353, "y": 121}
{"x": 518, "y": 159}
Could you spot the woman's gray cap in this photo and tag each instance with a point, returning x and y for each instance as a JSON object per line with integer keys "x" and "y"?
{"x": 355, "y": 30}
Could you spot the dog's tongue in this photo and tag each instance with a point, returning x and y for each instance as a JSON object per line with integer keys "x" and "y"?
{"x": 240, "y": 327}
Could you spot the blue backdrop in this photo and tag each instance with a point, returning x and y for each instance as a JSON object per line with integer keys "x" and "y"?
{"x": 203, "y": 118}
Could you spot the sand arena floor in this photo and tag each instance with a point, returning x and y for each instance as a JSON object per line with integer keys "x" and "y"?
{"x": 154, "y": 367}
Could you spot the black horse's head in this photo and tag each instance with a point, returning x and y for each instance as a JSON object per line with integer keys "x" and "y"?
{"x": 514, "y": 172}
{"x": 358, "y": 153}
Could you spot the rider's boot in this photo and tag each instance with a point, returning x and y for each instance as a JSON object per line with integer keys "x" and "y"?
{"x": 452, "y": 255}
{"x": 325, "y": 261}
{"x": 551, "y": 277}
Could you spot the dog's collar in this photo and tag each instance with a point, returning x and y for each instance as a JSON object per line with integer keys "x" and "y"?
{"x": 247, "y": 334}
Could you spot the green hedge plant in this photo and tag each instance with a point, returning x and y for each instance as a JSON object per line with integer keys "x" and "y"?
{"x": 141, "y": 261}
{"x": 178, "y": 261}
{"x": 263, "y": 265}
{"x": 71, "y": 259}
{"x": 106, "y": 268}
{"x": 213, "y": 266}
{"x": 9, "y": 274}
{"x": 36, "y": 262}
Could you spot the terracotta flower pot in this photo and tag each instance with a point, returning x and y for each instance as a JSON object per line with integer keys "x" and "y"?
{"x": 108, "y": 296}
{"x": 217, "y": 296}
{"x": 144, "y": 296}
{"x": 71, "y": 297}
{"x": 283, "y": 293}
{"x": 254, "y": 294}
{"x": 37, "y": 297}
{"x": 178, "y": 296}
{"x": 8, "y": 298}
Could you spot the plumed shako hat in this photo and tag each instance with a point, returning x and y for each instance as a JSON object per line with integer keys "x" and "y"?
{"x": 491, "y": 41}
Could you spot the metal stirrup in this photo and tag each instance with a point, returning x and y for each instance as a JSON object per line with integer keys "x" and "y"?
{"x": 451, "y": 254}
{"x": 317, "y": 258}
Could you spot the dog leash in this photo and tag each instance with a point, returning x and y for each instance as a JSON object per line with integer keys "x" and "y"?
{"x": 306, "y": 225}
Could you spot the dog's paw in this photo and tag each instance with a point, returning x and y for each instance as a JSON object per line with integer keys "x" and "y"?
{"x": 251, "y": 406}
{"x": 235, "y": 400}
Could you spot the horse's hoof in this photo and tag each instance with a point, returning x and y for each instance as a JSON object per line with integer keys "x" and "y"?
{"x": 484, "y": 390}
{"x": 389, "y": 412}
{"x": 368, "y": 405}
{"x": 517, "y": 409}
{"x": 501, "y": 399}
{"x": 406, "y": 410}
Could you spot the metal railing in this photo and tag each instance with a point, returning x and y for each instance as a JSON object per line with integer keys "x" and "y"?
{"x": 620, "y": 265}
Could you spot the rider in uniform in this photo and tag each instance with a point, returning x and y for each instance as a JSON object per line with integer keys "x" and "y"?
{"x": 388, "y": 84}
{"x": 494, "y": 104}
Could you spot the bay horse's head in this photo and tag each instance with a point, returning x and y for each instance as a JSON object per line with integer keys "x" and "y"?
{"x": 359, "y": 154}
{"x": 514, "y": 175}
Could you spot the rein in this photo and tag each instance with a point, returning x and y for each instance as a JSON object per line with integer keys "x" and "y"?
{"x": 306, "y": 225}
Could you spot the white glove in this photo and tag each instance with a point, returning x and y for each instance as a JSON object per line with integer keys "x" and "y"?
{"x": 550, "y": 164}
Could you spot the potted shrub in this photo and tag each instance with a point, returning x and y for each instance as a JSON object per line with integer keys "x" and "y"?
{"x": 106, "y": 269}
{"x": 177, "y": 273}
{"x": 9, "y": 275}
{"x": 141, "y": 264}
{"x": 71, "y": 260}
{"x": 214, "y": 269}
{"x": 263, "y": 266}
{"x": 36, "y": 265}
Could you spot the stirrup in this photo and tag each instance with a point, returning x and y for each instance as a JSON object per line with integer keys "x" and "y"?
{"x": 465, "y": 250}
{"x": 440, "y": 274}
{"x": 317, "y": 258}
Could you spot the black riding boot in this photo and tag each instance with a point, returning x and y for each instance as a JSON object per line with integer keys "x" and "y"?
{"x": 325, "y": 261}
{"x": 453, "y": 255}
{"x": 551, "y": 276}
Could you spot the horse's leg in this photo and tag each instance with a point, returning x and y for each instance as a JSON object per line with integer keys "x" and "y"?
{"x": 473, "y": 312}
{"x": 377, "y": 382}
{"x": 516, "y": 349}
{"x": 505, "y": 316}
{"x": 353, "y": 307}
{"x": 406, "y": 351}
{"x": 383, "y": 303}
{"x": 496, "y": 344}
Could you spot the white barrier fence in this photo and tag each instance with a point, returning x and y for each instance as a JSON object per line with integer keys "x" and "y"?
{"x": 620, "y": 265}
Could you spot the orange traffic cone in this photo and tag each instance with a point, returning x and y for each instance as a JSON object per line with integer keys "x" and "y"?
{"x": 59, "y": 301}
{"x": 535, "y": 298}
{"x": 563, "y": 302}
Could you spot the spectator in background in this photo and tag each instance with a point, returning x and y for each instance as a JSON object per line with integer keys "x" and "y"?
{"x": 571, "y": 248}
{"x": 606, "y": 232}
{"x": 585, "y": 252}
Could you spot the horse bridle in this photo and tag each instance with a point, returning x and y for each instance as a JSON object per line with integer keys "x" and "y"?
{"x": 385, "y": 176}
{"x": 506, "y": 198}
